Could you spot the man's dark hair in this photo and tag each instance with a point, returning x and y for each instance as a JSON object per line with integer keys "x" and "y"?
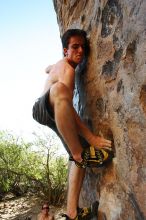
{"x": 75, "y": 32}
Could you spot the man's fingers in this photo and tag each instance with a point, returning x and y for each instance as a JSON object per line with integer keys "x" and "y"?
{"x": 100, "y": 146}
{"x": 100, "y": 142}
{"x": 105, "y": 142}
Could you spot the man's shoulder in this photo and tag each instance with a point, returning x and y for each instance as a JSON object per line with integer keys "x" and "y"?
{"x": 64, "y": 64}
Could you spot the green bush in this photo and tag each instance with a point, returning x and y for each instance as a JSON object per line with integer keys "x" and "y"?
{"x": 37, "y": 167}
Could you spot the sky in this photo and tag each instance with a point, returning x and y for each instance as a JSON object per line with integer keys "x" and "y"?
{"x": 29, "y": 42}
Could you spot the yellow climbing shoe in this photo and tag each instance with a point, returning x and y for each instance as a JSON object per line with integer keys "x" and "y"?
{"x": 95, "y": 157}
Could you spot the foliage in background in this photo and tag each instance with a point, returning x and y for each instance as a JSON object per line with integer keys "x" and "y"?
{"x": 36, "y": 167}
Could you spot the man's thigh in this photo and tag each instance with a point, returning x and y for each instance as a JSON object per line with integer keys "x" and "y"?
{"x": 42, "y": 113}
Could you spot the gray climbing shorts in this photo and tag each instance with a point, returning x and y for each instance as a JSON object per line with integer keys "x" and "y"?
{"x": 42, "y": 112}
{"x": 44, "y": 115}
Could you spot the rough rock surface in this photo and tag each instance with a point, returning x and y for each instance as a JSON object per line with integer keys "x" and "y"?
{"x": 111, "y": 98}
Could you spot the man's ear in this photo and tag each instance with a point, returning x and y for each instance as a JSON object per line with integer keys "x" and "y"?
{"x": 65, "y": 51}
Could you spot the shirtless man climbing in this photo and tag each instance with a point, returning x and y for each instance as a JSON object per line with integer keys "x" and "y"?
{"x": 55, "y": 109}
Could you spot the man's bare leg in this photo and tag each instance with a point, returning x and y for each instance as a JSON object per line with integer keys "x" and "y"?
{"x": 76, "y": 177}
{"x": 61, "y": 101}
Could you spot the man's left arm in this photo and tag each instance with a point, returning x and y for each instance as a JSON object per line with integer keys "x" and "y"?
{"x": 92, "y": 139}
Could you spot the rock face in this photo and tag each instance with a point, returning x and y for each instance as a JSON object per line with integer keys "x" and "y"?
{"x": 111, "y": 98}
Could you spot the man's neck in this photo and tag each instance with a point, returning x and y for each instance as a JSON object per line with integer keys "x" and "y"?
{"x": 71, "y": 63}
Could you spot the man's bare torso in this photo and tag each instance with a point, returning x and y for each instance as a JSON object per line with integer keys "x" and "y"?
{"x": 62, "y": 72}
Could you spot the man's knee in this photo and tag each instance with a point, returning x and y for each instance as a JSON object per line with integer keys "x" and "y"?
{"x": 60, "y": 91}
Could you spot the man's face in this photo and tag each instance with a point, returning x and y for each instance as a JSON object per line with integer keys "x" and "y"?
{"x": 75, "y": 50}
{"x": 45, "y": 209}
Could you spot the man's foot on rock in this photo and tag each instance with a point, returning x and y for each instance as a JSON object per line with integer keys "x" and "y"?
{"x": 85, "y": 213}
{"x": 89, "y": 212}
{"x": 95, "y": 157}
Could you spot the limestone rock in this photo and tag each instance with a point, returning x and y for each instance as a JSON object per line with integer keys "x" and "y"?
{"x": 111, "y": 98}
